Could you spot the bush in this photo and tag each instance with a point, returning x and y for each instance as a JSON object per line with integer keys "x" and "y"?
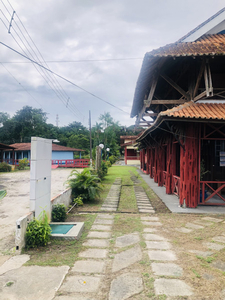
{"x": 112, "y": 159}
{"x": 85, "y": 184}
{"x": 23, "y": 163}
{"x": 38, "y": 232}
{"x": 4, "y": 167}
{"x": 108, "y": 164}
{"x": 78, "y": 201}
{"x": 59, "y": 213}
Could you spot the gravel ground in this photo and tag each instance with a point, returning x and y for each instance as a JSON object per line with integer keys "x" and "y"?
{"x": 16, "y": 203}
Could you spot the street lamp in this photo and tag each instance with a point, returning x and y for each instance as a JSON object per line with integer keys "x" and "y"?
{"x": 102, "y": 147}
{"x": 107, "y": 149}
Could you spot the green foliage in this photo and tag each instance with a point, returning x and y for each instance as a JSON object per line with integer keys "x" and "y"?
{"x": 78, "y": 200}
{"x": 23, "y": 163}
{"x": 108, "y": 164}
{"x": 103, "y": 171}
{"x": 112, "y": 159}
{"x": 4, "y": 167}
{"x": 59, "y": 213}
{"x": 38, "y": 232}
{"x": 3, "y": 193}
{"x": 85, "y": 184}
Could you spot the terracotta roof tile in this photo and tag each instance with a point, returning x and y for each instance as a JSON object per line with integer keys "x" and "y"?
{"x": 55, "y": 147}
{"x": 206, "y": 45}
{"x": 193, "y": 110}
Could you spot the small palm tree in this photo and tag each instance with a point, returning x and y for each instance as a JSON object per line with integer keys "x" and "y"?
{"x": 84, "y": 184}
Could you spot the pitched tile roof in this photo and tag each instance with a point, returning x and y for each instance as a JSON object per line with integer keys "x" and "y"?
{"x": 191, "y": 110}
{"x": 55, "y": 147}
{"x": 206, "y": 45}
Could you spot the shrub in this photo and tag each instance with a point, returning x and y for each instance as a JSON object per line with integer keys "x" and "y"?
{"x": 59, "y": 213}
{"x": 112, "y": 159}
{"x": 85, "y": 184}
{"x": 23, "y": 163}
{"x": 108, "y": 164}
{"x": 4, "y": 167}
{"x": 78, "y": 201}
{"x": 38, "y": 232}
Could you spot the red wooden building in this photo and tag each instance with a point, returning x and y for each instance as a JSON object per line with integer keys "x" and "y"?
{"x": 180, "y": 97}
{"x": 131, "y": 152}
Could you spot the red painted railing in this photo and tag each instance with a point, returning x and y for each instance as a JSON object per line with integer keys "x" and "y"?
{"x": 65, "y": 163}
{"x": 164, "y": 178}
{"x": 176, "y": 185}
{"x": 133, "y": 158}
{"x": 207, "y": 185}
{"x": 71, "y": 163}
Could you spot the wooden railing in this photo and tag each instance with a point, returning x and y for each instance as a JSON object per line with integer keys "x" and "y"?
{"x": 71, "y": 163}
{"x": 176, "y": 185}
{"x": 164, "y": 178}
{"x": 206, "y": 186}
{"x": 133, "y": 158}
{"x": 64, "y": 163}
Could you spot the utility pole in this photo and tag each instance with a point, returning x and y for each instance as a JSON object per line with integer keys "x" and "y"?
{"x": 90, "y": 139}
{"x": 57, "y": 120}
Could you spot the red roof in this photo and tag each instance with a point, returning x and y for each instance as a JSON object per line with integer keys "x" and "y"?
{"x": 206, "y": 45}
{"x": 215, "y": 111}
{"x": 55, "y": 147}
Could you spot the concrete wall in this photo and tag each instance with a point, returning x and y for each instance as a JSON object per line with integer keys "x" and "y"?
{"x": 21, "y": 223}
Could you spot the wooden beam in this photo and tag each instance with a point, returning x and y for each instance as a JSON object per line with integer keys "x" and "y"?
{"x": 150, "y": 114}
{"x": 175, "y": 86}
{"x": 199, "y": 78}
{"x": 203, "y": 94}
{"x": 179, "y": 101}
{"x": 152, "y": 91}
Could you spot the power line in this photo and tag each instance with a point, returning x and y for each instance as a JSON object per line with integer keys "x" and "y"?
{"x": 49, "y": 78}
{"x": 67, "y": 80}
{"x": 76, "y": 61}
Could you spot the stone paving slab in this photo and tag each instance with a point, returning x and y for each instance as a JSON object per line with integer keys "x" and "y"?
{"x": 202, "y": 253}
{"x": 147, "y": 211}
{"x": 220, "y": 265}
{"x": 144, "y": 206}
{"x": 14, "y": 262}
{"x": 99, "y": 234}
{"x": 74, "y": 296}
{"x": 161, "y": 255}
{"x": 150, "y": 229}
{"x": 157, "y": 245}
{"x": 126, "y": 258}
{"x": 125, "y": 286}
{"x": 151, "y": 223}
{"x": 32, "y": 282}
{"x": 215, "y": 220}
{"x": 149, "y": 218}
{"x": 99, "y": 243}
{"x": 103, "y": 221}
{"x": 184, "y": 230}
{"x": 109, "y": 209}
{"x": 94, "y": 253}
{"x": 127, "y": 240}
{"x": 105, "y": 216}
{"x": 214, "y": 246}
{"x": 82, "y": 284}
{"x": 101, "y": 227}
{"x": 220, "y": 239}
{"x": 172, "y": 287}
{"x": 153, "y": 237}
{"x": 166, "y": 269}
{"x": 203, "y": 223}
{"x": 193, "y": 226}
{"x": 89, "y": 266}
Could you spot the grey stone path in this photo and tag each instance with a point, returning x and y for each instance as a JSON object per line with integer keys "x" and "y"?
{"x": 143, "y": 202}
{"x": 112, "y": 200}
{"x": 163, "y": 262}
{"x": 86, "y": 278}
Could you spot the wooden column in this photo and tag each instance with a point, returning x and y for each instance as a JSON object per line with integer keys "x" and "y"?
{"x": 189, "y": 181}
{"x": 125, "y": 154}
{"x": 169, "y": 174}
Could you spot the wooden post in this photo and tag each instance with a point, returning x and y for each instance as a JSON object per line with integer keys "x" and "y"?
{"x": 98, "y": 158}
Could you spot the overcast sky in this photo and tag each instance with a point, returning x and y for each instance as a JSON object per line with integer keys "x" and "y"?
{"x": 98, "y": 45}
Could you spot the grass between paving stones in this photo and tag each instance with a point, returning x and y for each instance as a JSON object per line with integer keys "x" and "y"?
{"x": 61, "y": 252}
{"x": 127, "y": 200}
{"x": 199, "y": 272}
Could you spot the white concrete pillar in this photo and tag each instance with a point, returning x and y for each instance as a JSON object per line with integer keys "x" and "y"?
{"x": 40, "y": 176}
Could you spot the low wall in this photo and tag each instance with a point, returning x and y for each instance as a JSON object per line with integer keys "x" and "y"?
{"x": 21, "y": 223}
